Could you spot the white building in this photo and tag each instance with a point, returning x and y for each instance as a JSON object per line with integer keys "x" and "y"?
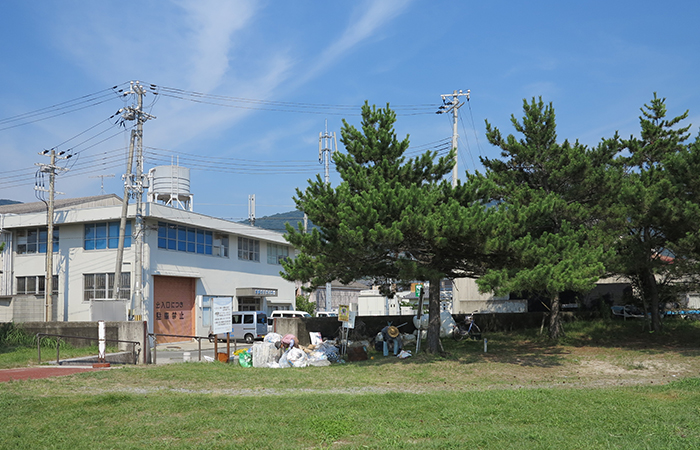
{"x": 188, "y": 258}
{"x": 467, "y": 299}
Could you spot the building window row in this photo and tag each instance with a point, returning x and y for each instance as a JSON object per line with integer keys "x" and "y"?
{"x": 98, "y": 286}
{"x": 104, "y": 235}
{"x": 36, "y": 285}
{"x": 33, "y": 240}
{"x": 192, "y": 240}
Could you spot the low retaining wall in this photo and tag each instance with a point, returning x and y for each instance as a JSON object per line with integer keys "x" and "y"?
{"x": 125, "y": 331}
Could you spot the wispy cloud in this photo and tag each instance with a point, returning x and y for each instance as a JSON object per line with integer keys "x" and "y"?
{"x": 368, "y": 19}
{"x": 212, "y": 26}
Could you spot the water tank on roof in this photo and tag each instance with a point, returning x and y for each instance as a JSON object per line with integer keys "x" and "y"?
{"x": 170, "y": 185}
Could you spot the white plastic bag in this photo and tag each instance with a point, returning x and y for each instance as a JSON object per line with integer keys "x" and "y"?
{"x": 447, "y": 324}
{"x": 272, "y": 337}
{"x": 264, "y": 353}
{"x": 297, "y": 357}
{"x": 404, "y": 354}
{"x": 284, "y": 362}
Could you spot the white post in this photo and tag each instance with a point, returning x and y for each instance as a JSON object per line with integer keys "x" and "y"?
{"x": 101, "y": 337}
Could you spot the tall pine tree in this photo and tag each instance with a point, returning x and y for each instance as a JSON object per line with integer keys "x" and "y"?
{"x": 391, "y": 218}
{"x": 546, "y": 198}
{"x": 658, "y": 206}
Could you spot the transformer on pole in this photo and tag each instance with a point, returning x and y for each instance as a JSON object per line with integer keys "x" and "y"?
{"x": 453, "y": 106}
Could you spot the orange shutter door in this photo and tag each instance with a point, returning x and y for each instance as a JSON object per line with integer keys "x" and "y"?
{"x": 174, "y": 299}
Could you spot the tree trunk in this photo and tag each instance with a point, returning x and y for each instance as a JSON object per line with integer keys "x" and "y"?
{"x": 651, "y": 292}
{"x": 555, "y": 328}
{"x": 434, "y": 317}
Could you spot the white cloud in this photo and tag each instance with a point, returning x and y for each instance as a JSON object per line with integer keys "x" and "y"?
{"x": 370, "y": 17}
{"x": 212, "y": 25}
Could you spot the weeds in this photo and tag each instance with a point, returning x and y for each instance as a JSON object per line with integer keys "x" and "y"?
{"x": 14, "y": 336}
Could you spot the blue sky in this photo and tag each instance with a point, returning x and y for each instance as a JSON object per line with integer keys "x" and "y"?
{"x": 295, "y": 65}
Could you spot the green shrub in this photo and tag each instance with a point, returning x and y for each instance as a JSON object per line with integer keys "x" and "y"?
{"x": 14, "y": 336}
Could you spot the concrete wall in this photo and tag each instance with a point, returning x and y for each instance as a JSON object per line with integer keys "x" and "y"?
{"x": 30, "y": 308}
{"x": 6, "y": 309}
{"x": 491, "y": 306}
{"x": 125, "y": 331}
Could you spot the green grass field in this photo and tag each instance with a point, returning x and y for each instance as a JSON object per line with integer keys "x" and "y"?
{"x": 592, "y": 390}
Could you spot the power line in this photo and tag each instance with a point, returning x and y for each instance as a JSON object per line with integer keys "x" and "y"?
{"x": 466, "y": 140}
{"x": 476, "y": 136}
{"x": 277, "y": 106}
{"x": 59, "y": 109}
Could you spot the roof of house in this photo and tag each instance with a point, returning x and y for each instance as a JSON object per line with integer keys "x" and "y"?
{"x": 106, "y": 207}
{"x": 84, "y": 202}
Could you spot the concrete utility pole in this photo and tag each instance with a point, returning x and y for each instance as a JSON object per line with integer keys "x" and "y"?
{"x": 251, "y": 209}
{"x": 51, "y": 169}
{"x": 453, "y": 106}
{"x": 327, "y": 143}
{"x": 134, "y": 185}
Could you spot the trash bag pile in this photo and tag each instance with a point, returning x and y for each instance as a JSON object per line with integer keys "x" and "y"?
{"x": 269, "y": 353}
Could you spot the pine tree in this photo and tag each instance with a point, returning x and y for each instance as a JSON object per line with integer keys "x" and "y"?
{"x": 658, "y": 206}
{"x": 391, "y": 218}
{"x": 543, "y": 225}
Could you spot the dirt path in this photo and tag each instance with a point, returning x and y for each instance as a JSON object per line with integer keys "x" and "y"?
{"x": 33, "y": 373}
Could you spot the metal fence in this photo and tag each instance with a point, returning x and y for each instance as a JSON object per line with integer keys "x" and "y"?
{"x": 134, "y": 352}
{"x": 155, "y": 342}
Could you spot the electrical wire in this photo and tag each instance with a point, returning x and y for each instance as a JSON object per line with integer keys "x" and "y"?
{"x": 59, "y": 109}
{"x": 83, "y": 132}
{"x": 466, "y": 140}
{"x": 476, "y": 136}
{"x": 277, "y": 106}
{"x": 244, "y": 162}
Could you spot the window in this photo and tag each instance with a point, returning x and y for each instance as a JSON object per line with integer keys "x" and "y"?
{"x": 99, "y": 236}
{"x": 35, "y": 285}
{"x": 101, "y": 286}
{"x": 248, "y": 318}
{"x": 220, "y": 245}
{"x": 277, "y": 253}
{"x": 248, "y": 249}
{"x": 191, "y": 240}
{"x": 33, "y": 240}
{"x": 249, "y": 304}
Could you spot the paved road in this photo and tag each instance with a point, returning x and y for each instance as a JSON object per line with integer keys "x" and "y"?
{"x": 175, "y": 353}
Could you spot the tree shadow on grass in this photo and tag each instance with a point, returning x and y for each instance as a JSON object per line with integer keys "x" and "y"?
{"x": 508, "y": 350}
{"x": 679, "y": 336}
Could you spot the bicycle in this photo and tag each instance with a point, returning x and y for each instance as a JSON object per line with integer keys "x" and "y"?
{"x": 466, "y": 328}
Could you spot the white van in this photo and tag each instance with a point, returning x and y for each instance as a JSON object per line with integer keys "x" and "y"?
{"x": 246, "y": 325}
{"x": 283, "y": 314}
{"x": 326, "y": 313}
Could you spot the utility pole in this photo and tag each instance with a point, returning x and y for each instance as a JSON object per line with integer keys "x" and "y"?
{"x": 327, "y": 143}
{"x": 51, "y": 169}
{"x": 446, "y": 107}
{"x": 133, "y": 185}
{"x": 453, "y": 106}
{"x": 251, "y": 209}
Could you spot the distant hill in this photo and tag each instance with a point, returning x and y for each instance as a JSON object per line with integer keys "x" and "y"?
{"x": 276, "y": 222}
{"x": 4, "y": 201}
